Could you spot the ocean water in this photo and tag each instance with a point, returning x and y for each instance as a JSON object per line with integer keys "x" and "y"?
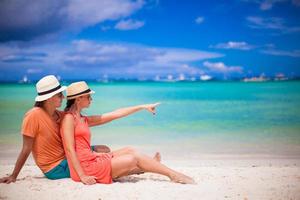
{"x": 194, "y": 118}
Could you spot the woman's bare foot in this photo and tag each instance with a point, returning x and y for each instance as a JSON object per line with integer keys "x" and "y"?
{"x": 138, "y": 171}
{"x": 181, "y": 178}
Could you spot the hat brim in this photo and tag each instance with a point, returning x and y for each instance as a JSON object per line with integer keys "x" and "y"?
{"x": 74, "y": 97}
{"x": 48, "y": 96}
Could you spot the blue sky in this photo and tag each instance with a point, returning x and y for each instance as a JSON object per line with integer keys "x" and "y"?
{"x": 95, "y": 39}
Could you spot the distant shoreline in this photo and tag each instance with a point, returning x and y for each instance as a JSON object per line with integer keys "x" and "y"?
{"x": 152, "y": 81}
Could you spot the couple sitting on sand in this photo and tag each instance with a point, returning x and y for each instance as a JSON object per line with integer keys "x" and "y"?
{"x": 54, "y": 135}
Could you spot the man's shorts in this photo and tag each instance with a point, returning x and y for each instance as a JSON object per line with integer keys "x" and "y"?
{"x": 61, "y": 171}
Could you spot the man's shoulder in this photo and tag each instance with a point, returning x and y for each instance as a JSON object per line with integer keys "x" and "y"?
{"x": 34, "y": 111}
{"x": 34, "y": 115}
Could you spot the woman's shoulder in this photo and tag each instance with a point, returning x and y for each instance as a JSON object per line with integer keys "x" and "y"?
{"x": 68, "y": 115}
{"x": 68, "y": 118}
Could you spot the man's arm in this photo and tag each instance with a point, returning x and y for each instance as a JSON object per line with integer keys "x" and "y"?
{"x": 23, "y": 155}
{"x": 119, "y": 113}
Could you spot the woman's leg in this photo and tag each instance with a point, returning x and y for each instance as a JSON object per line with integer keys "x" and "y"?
{"x": 123, "y": 151}
{"x": 131, "y": 151}
{"x": 122, "y": 165}
{"x": 138, "y": 171}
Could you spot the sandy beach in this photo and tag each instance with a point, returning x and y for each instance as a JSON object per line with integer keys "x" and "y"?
{"x": 245, "y": 145}
{"x": 217, "y": 177}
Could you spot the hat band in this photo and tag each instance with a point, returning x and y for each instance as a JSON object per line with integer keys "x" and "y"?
{"x": 49, "y": 91}
{"x": 73, "y": 95}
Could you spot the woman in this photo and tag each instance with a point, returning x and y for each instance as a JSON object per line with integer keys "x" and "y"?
{"x": 90, "y": 167}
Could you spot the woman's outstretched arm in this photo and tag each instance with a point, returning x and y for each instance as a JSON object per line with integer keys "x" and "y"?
{"x": 68, "y": 135}
{"x": 119, "y": 113}
{"x": 23, "y": 155}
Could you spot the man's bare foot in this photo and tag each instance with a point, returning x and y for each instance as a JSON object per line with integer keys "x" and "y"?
{"x": 138, "y": 171}
{"x": 157, "y": 157}
{"x": 181, "y": 178}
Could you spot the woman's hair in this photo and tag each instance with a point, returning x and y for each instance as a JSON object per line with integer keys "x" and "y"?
{"x": 39, "y": 104}
{"x": 69, "y": 104}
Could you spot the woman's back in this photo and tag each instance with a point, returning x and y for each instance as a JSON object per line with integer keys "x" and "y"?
{"x": 93, "y": 164}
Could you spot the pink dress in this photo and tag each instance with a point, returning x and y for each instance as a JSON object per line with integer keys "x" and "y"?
{"x": 93, "y": 164}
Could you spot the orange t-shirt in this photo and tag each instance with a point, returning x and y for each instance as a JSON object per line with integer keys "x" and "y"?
{"x": 47, "y": 149}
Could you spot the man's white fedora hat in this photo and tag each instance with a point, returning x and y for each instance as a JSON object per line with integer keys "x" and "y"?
{"x": 47, "y": 87}
{"x": 78, "y": 89}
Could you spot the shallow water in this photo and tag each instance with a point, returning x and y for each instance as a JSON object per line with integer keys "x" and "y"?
{"x": 198, "y": 118}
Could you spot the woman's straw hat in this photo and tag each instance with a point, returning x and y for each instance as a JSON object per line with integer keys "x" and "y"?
{"x": 78, "y": 89}
{"x": 47, "y": 87}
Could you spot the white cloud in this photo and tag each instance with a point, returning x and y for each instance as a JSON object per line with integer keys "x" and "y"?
{"x": 276, "y": 52}
{"x": 234, "y": 45}
{"x": 40, "y": 18}
{"x": 265, "y": 4}
{"x": 269, "y": 45}
{"x": 34, "y": 70}
{"x": 184, "y": 55}
{"x": 86, "y": 13}
{"x": 266, "y": 23}
{"x": 268, "y": 4}
{"x": 220, "y": 67}
{"x": 105, "y": 28}
{"x": 272, "y": 23}
{"x": 83, "y": 58}
{"x": 129, "y": 24}
{"x": 296, "y": 2}
{"x": 199, "y": 20}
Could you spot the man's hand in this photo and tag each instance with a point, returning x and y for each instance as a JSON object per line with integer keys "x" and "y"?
{"x": 8, "y": 179}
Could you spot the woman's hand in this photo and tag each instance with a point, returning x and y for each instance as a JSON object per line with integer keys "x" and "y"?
{"x": 151, "y": 107}
{"x": 88, "y": 180}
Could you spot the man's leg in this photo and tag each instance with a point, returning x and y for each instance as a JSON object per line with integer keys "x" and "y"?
{"x": 101, "y": 148}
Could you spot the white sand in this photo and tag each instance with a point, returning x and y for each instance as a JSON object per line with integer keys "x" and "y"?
{"x": 217, "y": 178}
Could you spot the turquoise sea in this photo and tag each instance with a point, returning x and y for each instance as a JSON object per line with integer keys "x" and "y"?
{"x": 194, "y": 118}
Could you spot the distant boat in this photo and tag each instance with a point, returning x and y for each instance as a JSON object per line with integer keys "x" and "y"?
{"x": 193, "y": 79}
{"x": 24, "y": 80}
{"x": 255, "y": 79}
{"x": 280, "y": 77}
{"x": 181, "y": 77}
{"x": 157, "y": 78}
{"x": 205, "y": 77}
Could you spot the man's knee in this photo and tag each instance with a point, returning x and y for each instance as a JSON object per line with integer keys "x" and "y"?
{"x": 101, "y": 149}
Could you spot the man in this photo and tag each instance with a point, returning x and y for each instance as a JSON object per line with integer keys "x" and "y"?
{"x": 41, "y": 134}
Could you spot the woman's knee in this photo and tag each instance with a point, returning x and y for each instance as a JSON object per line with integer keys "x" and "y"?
{"x": 124, "y": 162}
{"x": 123, "y": 165}
{"x": 132, "y": 160}
{"x": 130, "y": 150}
